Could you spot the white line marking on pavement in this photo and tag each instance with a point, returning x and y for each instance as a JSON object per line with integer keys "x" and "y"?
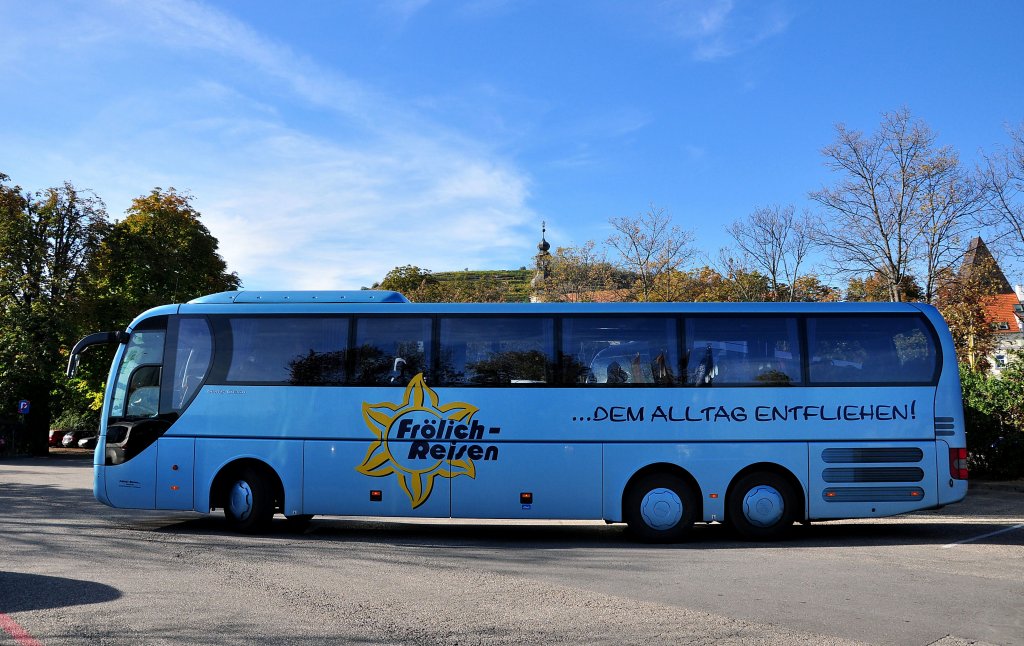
{"x": 978, "y": 538}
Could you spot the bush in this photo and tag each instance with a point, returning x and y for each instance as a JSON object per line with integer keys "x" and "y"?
{"x": 996, "y": 451}
{"x": 995, "y": 427}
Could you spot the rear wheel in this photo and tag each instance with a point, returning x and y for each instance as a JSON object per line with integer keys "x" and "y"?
{"x": 660, "y": 508}
{"x": 762, "y": 506}
{"x": 248, "y": 502}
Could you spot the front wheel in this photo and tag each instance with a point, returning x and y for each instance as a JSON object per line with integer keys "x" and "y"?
{"x": 660, "y": 508}
{"x": 762, "y": 506}
{"x": 249, "y": 505}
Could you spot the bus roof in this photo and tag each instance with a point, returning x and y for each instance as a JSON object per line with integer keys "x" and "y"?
{"x": 256, "y": 297}
{"x": 364, "y": 301}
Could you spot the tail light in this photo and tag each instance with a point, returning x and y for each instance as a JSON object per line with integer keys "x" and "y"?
{"x": 958, "y": 464}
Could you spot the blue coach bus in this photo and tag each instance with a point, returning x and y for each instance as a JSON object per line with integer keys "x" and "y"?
{"x": 657, "y": 415}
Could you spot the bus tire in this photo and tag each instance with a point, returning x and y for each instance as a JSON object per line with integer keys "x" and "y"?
{"x": 762, "y": 506}
{"x": 248, "y": 502}
{"x": 659, "y": 508}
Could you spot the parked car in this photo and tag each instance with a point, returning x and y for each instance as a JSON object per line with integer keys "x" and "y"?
{"x": 125, "y": 440}
{"x": 56, "y": 435}
{"x": 70, "y": 439}
{"x": 88, "y": 442}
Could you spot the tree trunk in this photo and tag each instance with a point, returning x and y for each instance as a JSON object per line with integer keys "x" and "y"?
{"x": 37, "y": 421}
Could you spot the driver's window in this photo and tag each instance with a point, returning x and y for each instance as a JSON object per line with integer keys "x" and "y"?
{"x": 143, "y": 355}
{"x": 144, "y": 392}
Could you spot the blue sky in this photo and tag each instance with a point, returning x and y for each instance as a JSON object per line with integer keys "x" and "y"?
{"x": 327, "y": 142}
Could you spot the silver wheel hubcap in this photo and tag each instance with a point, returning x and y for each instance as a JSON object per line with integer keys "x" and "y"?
{"x": 661, "y": 509}
{"x": 763, "y": 506}
{"x": 241, "y": 500}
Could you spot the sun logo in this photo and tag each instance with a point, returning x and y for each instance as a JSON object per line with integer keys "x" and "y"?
{"x": 415, "y": 440}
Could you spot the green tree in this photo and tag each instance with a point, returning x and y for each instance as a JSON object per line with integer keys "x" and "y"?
{"x": 703, "y": 284}
{"x": 578, "y": 274}
{"x": 876, "y": 288}
{"x": 809, "y": 288}
{"x": 46, "y": 242}
{"x": 708, "y": 285}
{"x": 993, "y": 411}
{"x": 160, "y": 253}
{"x": 407, "y": 280}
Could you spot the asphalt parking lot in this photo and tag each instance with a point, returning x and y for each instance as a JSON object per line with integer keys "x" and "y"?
{"x": 73, "y": 571}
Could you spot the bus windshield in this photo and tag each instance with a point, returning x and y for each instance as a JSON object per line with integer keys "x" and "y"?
{"x": 137, "y": 388}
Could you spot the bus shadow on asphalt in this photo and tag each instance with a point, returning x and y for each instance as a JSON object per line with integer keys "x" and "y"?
{"x": 615, "y": 536}
{"x": 49, "y": 592}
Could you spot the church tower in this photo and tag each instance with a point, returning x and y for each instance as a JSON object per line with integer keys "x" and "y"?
{"x": 542, "y": 261}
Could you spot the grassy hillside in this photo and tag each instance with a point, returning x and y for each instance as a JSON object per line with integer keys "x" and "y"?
{"x": 517, "y": 281}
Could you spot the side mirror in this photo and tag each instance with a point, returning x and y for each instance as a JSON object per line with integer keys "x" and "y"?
{"x": 99, "y": 338}
{"x": 73, "y": 364}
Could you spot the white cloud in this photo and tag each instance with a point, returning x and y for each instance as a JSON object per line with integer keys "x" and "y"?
{"x": 320, "y": 215}
{"x": 405, "y": 9}
{"x": 292, "y": 206}
{"x": 190, "y": 26}
{"x": 722, "y": 28}
{"x": 703, "y": 19}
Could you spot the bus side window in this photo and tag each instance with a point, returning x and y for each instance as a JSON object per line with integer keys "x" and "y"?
{"x": 614, "y": 374}
{"x": 391, "y": 351}
{"x": 870, "y": 349}
{"x": 492, "y": 350}
{"x": 192, "y": 359}
{"x": 278, "y": 350}
{"x": 742, "y": 351}
{"x": 619, "y": 350}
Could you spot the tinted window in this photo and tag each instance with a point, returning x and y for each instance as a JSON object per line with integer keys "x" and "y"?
{"x": 483, "y": 350}
{"x": 391, "y": 351}
{"x": 191, "y": 359}
{"x": 619, "y": 351}
{"x": 287, "y": 350}
{"x": 137, "y": 389}
{"x": 870, "y": 349}
{"x": 748, "y": 350}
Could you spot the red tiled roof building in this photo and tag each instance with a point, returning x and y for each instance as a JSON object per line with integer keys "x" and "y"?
{"x": 1004, "y": 311}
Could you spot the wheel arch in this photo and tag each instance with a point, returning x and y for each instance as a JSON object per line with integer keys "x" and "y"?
{"x": 777, "y": 469}
{"x": 664, "y": 467}
{"x": 231, "y": 470}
